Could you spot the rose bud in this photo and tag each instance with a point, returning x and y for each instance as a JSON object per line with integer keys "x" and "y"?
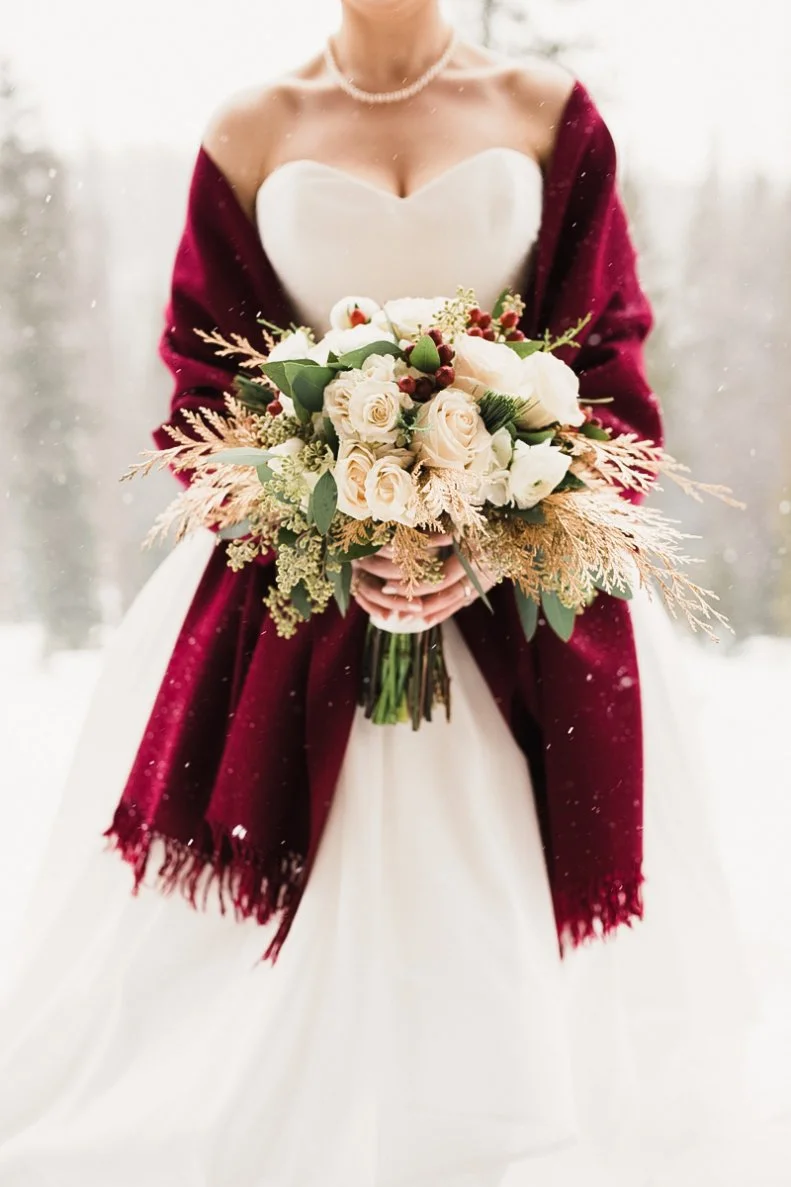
{"x": 485, "y": 320}
{"x": 444, "y": 376}
{"x": 473, "y": 314}
{"x": 357, "y": 317}
{"x": 424, "y": 388}
{"x": 445, "y": 352}
{"x": 274, "y": 407}
{"x": 436, "y": 336}
{"x": 406, "y": 384}
{"x": 515, "y": 336}
{"x": 509, "y": 319}
{"x": 475, "y": 332}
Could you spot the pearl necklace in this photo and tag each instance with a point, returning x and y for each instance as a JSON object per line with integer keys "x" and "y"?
{"x": 388, "y": 96}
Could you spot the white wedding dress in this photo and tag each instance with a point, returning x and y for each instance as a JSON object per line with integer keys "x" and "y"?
{"x": 419, "y": 1028}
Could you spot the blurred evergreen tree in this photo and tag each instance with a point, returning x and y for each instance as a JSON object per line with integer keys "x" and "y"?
{"x": 49, "y": 525}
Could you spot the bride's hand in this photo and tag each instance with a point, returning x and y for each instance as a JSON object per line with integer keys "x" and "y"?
{"x": 379, "y": 588}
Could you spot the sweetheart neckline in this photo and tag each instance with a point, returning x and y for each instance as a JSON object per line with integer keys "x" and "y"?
{"x": 363, "y": 183}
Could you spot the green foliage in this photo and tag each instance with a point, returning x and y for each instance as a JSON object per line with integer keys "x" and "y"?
{"x": 499, "y": 410}
{"x": 323, "y": 502}
{"x": 473, "y": 576}
{"x": 560, "y": 618}
{"x": 528, "y": 612}
{"x": 425, "y": 355}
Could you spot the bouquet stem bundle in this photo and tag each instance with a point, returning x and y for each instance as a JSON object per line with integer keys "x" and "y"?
{"x": 404, "y": 676}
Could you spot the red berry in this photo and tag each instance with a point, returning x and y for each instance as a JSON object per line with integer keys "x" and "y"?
{"x": 406, "y": 384}
{"x": 509, "y": 319}
{"x": 357, "y": 317}
{"x": 436, "y": 336}
{"x": 424, "y": 388}
{"x": 444, "y": 376}
{"x": 475, "y": 332}
{"x": 485, "y": 320}
{"x": 473, "y": 314}
{"x": 515, "y": 336}
{"x": 445, "y": 352}
{"x": 489, "y": 334}
{"x": 410, "y": 346}
{"x": 274, "y": 408}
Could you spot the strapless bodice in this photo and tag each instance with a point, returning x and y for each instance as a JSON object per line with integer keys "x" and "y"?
{"x": 329, "y": 234}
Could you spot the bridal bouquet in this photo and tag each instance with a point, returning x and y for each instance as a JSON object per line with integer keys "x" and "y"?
{"x": 417, "y": 417}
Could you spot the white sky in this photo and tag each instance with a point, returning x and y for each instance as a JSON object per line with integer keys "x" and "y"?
{"x": 673, "y": 76}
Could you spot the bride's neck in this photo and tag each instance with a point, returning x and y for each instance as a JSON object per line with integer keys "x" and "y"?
{"x": 381, "y": 52}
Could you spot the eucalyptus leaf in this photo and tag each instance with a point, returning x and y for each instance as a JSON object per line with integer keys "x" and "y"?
{"x": 253, "y": 395}
{"x": 301, "y": 601}
{"x": 570, "y": 482}
{"x": 245, "y": 456}
{"x": 528, "y": 612}
{"x": 331, "y": 435}
{"x": 526, "y": 347}
{"x": 324, "y": 502}
{"x": 308, "y": 386}
{"x": 561, "y": 618}
{"x": 277, "y": 371}
{"x": 342, "y": 586}
{"x": 425, "y": 355}
{"x": 235, "y": 531}
{"x": 286, "y": 537}
{"x": 615, "y": 591}
{"x": 536, "y": 437}
{"x": 356, "y": 358}
{"x": 473, "y": 576}
{"x": 529, "y": 514}
{"x": 264, "y": 473}
{"x": 593, "y": 431}
{"x": 356, "y": 552}
{"x": 499, "y": 303}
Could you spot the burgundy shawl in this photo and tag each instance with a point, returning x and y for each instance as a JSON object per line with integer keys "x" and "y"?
{"x": 236, "y": 770}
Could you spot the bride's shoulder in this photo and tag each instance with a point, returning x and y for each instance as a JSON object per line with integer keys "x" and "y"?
{"x": 539, "y": 90}
{"x": 241, "y": 131}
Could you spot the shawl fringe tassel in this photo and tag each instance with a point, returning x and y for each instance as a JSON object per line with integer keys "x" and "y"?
{"x": 253, "y": 884}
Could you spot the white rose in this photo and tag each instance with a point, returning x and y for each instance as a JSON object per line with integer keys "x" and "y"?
{"x": 449, "y": 433}
{"x": 341, "y": 310}
{"x": 553, "y": 390}
{"x": 292, "y": 346}
{"x": 341, "y": 341}
{"x": 549, "y": 385}
{"x": 409, "y": 315}
{"x": 390, "y": 491}
{"x": 351, "y": 471}
{"x": 535, "y": 472}
{"x": 288, "y": 448}
{"x": 493, "y": 465}
{"x": 385, "y": 368}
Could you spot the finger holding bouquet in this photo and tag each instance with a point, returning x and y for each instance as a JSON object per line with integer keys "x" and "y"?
{"x": 415, "y": 456}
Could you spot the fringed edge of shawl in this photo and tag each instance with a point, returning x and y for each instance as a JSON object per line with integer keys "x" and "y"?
{"x": 597, "y": 911}
{"x": 257, "y": 886}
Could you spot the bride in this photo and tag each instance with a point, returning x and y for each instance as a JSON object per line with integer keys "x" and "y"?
{"x": 421, "y": 1023}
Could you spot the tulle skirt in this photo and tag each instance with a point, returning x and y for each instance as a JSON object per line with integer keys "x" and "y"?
{"x": 419, "y": 1027}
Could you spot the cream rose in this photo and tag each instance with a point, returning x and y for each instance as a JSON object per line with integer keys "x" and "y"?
{"x": 351, "y": 471}
{"x": 409, "y": 316}
{"x": 449, "y": 433}
{"x": 375, "y": 410}
{"x": 535, "y": 472}
{"x": 340, "y": 318}
{"x": 390, "y": 491}
{"x": 480, "y": 365}
{"x": 337, "y": 395}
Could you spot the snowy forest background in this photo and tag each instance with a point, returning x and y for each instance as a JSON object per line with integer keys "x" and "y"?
{"x": 87, "y": 243}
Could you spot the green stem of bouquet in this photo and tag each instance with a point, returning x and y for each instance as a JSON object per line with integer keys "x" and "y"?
{"x": 404, "y": 676}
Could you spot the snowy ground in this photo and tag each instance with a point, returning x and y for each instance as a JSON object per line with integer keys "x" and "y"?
{"x": 748, "y": 747}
